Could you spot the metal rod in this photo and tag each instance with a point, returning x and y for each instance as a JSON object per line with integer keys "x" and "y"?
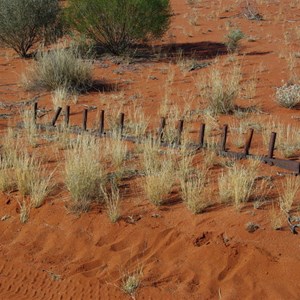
{"x": 84, "y": 119}
{"x": 248, "y": 142}
{"x": 161, "y": 129}
{"x": 101, "y": 123}
{"x": 121, "y": 123}
{"x": 35, "y": 109}
{"x": 56, "y": 116}
{"x": 180, "y": 129}
{"x": 67, "y": 115}
{"x": 224, "y": 137}
{"x": 272, "y": 145}
{"x": 201, "y": 135}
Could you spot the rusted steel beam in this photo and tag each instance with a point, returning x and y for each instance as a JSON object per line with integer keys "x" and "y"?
{"x": 101, "y": 123}
{"x": 272, "y": 145}
{"x": 201, "y": 135}
{"x": 67, "y": 116}
{"x": 248, "y": 142}
{"x": 84, "y": 119}
{"x": 224, "y": 138}
{"x": 290, "y": 165}
{"x": 58, "y": 111}
{"x": 161, "y": 129}
{"x": 231, "y": 154}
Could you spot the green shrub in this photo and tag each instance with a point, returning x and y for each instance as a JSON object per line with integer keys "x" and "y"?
{"x": 117, "y": 24}
{"x": 59, "y": 68}
{"x": 23, "y": 23}
{"x": 233, "y": 38}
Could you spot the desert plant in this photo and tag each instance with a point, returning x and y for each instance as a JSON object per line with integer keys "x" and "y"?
{"x": 7, "y": 181}
{"x": 84, "y": 174}
{"x": 233, "y": 39}
{"x": 288, "y": 140}
{"x": 24, "y": 211}
{"x": 30, "y": 127}
{"x": 60, "y": 68}
{"x": 290, "y": 187}
{"x": 117, "y": 24}
{"x": 112, "y": 201}
{"x": 40, "y": 188}
{"x": 276, "y": 218}
{"x": 26, "y": 167}
{"x": 238, "y": 184}
{"x": 221, "y": 90}
{"x": 151, "y": 156}
{"x": 159, "y": 181}
{"x": 62, "y": 96}
{"x": 288, "y": 95}
{"x": 117, "y": 152}
{"x": 194, "y": 192}
{"x": 10, "y": 146}
{"x": 132, "y": 281}
{"x": 24, "y": 23}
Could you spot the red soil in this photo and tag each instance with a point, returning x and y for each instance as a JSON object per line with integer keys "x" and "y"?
{"x": 184, "y": 256}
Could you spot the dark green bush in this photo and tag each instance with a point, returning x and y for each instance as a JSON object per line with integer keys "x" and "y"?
{"x": 118, "y": 24}
{"x": 23, "y": 23}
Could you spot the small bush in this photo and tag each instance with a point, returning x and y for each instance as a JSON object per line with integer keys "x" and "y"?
{"x": 288, "y": 95}
{"x": 23, "y": 23}
{"x": 232, "y": 39}
{"x": 60, "y": 68}
{"x": 117, "y": 24}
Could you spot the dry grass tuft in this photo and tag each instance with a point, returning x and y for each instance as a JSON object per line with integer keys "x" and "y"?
{"x": 24, "y": 211}
{"x": 195, "y": 193}
{"x": 112, "y": 201}
{"x": 159, "y": 179}
{"x": 132, "y": 281}
{"x": 84, "y": 174}
{"x": 290, "y": 187}
{"x": 59, "y": 68}
{"x": 238, "y": 183}
{"x": 221, "y": 90}
{"x": 30, "y": 127}
{"x": 40, "y": 188}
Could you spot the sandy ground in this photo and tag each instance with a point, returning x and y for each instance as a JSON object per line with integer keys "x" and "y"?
{"x": 59, "y": 255}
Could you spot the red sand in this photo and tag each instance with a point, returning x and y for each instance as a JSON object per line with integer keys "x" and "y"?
{"x": 207, "y": 256}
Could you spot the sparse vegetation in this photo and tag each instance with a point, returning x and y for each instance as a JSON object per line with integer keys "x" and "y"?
{"x": 112, "y": 201}
{"x": 232, "y": 40}
{"x": 60, "y": 68}
{"x": 132, "y": 281}
{"x": 84, "y": 174}
{"x": 288, "y": 95}
{"x": 159, "y": 180}
{"x": 195, "y": 193}
{"x": 221, "y": 90}
{"x": 238, "y": 183}
{"x": 290, "y": 187}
